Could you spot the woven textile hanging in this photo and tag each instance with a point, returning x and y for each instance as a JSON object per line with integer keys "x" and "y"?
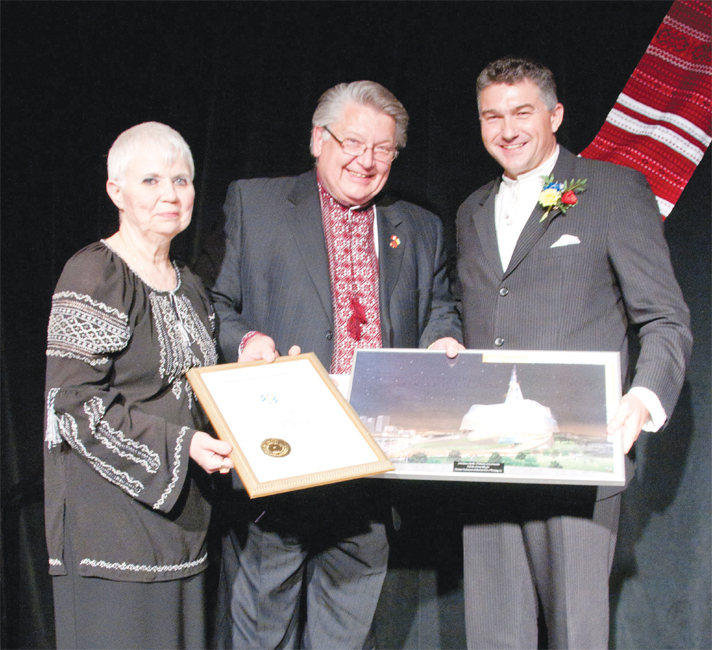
{"x": 661, "y": 123}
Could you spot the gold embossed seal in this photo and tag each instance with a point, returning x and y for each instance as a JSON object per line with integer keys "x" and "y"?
{"x": 275, "y": 447}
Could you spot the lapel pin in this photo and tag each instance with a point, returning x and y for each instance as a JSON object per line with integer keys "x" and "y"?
{"x": 395, "y": 242}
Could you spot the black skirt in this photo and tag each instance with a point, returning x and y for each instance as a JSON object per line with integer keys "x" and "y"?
{"x": 95, "y": 614}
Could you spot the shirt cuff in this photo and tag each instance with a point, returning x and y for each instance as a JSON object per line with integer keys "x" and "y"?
{"x": 651, "y": 402}
{"x": 245, "y": 340}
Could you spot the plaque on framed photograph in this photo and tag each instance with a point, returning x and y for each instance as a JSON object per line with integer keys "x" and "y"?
{"x": 497, "y": 416}
{"x": 288, "y": 424}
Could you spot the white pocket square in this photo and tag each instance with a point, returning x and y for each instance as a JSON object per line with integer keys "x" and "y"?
{"x": 566, "y": 240}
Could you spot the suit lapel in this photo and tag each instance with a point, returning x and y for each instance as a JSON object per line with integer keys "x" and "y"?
{"x": 391, "y": 245}
{"x": 533, "y": 231}
{"x": 483, "y": 219}
{"x": 307, "y": 229}
{"x": 535, "y": 228}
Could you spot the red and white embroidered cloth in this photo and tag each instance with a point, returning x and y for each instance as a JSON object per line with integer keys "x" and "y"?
{"x": 353, "y": 268}
{"x": 662, "y": 121}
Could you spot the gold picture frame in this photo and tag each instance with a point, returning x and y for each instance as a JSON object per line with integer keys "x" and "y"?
{"x": 289, "y": 426}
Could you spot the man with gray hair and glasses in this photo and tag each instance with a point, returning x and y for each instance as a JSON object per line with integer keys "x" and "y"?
{"x": 321, "y": 263}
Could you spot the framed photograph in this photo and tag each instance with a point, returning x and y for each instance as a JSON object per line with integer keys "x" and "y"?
{"x": 288, "y": 424}
{"x": 497, "y": 416}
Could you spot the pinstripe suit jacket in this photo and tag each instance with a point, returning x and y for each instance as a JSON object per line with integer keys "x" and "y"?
{"x": 585, "y": 296}
{"x": 274, "y": 275}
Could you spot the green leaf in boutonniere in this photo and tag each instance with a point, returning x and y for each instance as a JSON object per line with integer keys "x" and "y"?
{"x": 560, "y": 196}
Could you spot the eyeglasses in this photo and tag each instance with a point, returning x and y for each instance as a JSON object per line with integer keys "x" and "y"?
{"x": 351, "y": 147}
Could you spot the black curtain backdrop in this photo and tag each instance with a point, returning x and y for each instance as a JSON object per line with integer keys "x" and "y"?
{"x": 240, "y": 81}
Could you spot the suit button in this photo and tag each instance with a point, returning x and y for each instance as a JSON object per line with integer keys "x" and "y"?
{"x": 499, "y": 341}
{"x": 329, "y": 335}
{"x": 503, "y": 291}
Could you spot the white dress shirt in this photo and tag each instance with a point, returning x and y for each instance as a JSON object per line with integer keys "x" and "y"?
{"x": 514, "y": 204}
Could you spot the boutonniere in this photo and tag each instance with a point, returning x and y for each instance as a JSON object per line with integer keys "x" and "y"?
{"x": 395, "y": 242}
{"x": 560, "y": 196}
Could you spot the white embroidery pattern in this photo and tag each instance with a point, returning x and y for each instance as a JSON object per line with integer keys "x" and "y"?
{"x": 191, "y": 395}
{"x": 123, "y": 566}
{"x": 176, "y": 468}
{"x": 53, "y": 561}
{"x": 52, "y": 436}
{"x": 116, "y": 441}
{"x": 85, "y": 329}
{"x": 173, "y": 315}
{"x": 177, "y": 389}
{"x": 68, "y": 429}
{"x": 196, "y": 330}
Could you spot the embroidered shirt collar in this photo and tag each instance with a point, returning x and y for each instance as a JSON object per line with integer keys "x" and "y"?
{"x": 329, "y": 196}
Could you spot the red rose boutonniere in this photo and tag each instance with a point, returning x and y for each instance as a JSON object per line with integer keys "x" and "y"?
{"x": 560, "y": 196}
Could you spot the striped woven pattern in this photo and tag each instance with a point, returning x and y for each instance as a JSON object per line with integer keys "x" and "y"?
{"x": 662, "y": 121}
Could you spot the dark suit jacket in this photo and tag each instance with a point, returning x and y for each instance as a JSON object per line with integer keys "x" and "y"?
{"x": 274, "y": 274}
{"x": 585, "y": 296}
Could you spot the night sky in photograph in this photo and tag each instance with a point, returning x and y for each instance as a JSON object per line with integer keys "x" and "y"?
{"x": 437, "y": 392}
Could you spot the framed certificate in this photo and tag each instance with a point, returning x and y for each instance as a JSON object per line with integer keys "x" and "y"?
{"x": 288, "y": 424}
{"x": 497, "y": 416}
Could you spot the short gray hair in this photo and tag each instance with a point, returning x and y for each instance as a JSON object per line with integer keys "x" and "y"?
{"x": 331, "y": 106}
{"x": 158, "y": 136}
{"x": 512, "y": 70}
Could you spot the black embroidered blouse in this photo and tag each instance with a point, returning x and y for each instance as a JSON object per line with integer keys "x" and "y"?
{"x": 120, "y": 416}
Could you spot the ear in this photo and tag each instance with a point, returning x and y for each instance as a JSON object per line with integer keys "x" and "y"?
{"x": 115, "y": 193}
{"x": 317, "y": 141}
{"x": 557, "y": 116}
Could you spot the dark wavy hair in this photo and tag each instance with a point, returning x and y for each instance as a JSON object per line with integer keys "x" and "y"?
{"x": 512, "y": 70}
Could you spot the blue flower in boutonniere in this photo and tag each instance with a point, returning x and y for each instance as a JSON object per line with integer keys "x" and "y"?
{"x": 560, "y": 196}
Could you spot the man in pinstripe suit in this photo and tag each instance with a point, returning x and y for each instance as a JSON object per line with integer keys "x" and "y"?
{"x": 313, "y": 262}
{"x": 578, "y": 277}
